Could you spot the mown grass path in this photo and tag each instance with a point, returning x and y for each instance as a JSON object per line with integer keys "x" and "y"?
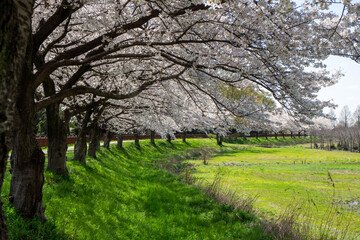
{"x": 123, "y": 195}
{"x": 314, "y": 181}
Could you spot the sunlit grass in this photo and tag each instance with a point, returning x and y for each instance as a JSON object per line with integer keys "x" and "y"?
{"x": 288, "y": 175}
{"x": 123, "y": 195}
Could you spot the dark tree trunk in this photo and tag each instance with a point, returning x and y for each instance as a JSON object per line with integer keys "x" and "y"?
{"x": 80, "y": 147}
{"x": 108, "y": 137}
{"x": 3, "y": 161}
{"x": 152, "y": 137}
{"x": 168, "y": 138}
{"x": 257, "y": 135}
{"x": 80, "y": 144}
{"x": 120, "y": 139}
{"x": 219, "y": 139}
{"x": 57, "y": 134}
{"x": 15, "y": 28}
{"x": 184, "y": 136}
{"x": 283, "y": 134}
{"x": 94, "y": 140}
{"x": 276, "y": 135}
{"x": 27, "y": 163}
{"x": 136, "y": 138}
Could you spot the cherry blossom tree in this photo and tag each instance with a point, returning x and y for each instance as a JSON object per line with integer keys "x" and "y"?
{"x": 118, "y": 49}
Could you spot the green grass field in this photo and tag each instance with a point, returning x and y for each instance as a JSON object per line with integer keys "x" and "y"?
{"x": 323, "y": 185}
{"x": 124, "y": 195}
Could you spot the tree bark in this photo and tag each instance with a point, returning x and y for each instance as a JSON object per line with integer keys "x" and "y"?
{"x": 136, "y": 138}
{"x": 184, "y": 136}
{"x": 57, "y": 134}
{"x": 168, "y": 138}
{"x": 94, "y": 140}
{"x": 15, "y": 28}
{"x": 80, "y": 144}
{"x": 152, "y": 137}
{"x": 27, "y": 164}
{"x": 120, "y": 139}
{"x": 108, "y": 137}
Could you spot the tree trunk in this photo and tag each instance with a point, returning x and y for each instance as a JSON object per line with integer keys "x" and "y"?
{"x": 136, "y": 138}
{"x": 168, "y": 138}
{"x": 276, "y": 135}
{"x": 120, "y": 138}
{"x": 80, "y": 147}
{"x": 219, "y": 139}
{"x": 152, "y": 137}
{"x": 27, "y": 164}
{"x": 15, "y": 28}
{"x": 94, "y": 141}
{"x": 184, "y": 136}
{"x": 80, "y": 144}
{"x": 3, "y": 161}
{"x": 57, "y": 134}
{"x": 108, "y": 137}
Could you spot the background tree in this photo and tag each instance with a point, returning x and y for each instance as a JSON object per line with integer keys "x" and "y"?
{"x": 345, "y": 117}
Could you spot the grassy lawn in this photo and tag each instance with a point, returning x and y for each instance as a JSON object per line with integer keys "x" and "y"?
{"x": 124, "y": 195}
{"x": 323, "y": 185}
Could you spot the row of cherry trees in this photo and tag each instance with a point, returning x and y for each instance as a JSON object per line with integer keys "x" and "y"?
{"x": 158, "y": 66}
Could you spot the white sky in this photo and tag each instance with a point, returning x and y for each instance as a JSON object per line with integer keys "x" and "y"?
{"x": 347, "y": 90}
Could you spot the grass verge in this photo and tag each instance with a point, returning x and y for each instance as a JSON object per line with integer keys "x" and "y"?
{"x": 124, "y": 195}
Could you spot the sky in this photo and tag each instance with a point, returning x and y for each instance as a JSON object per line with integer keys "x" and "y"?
{"x": 347, "y": 90}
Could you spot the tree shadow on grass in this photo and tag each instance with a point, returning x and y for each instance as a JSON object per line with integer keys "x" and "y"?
{"x": 31, "y": 229}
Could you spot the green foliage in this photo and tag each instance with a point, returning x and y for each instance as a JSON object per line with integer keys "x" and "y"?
{"x": 124, "y": 195}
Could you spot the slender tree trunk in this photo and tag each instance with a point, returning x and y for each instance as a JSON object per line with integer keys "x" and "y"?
{"x": 283, "y": 135}
{"x": 120, "y": 138}
{"x": 168, "y": 138}
{"x": 184, "y": 136}
{"x": 219, "y": 139}
{"x": 94, "y": 141}
{"x": 136, "y": 138}
{"x": 80, "y": 147}
{"x": 108, "y": 137}
{"x": 276, "y": 135}
{"x": 57, "y": 134}
{"x": 3, "y": 161}
{"x": 80, "y": 144}
{"x": 152, "y": 137}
